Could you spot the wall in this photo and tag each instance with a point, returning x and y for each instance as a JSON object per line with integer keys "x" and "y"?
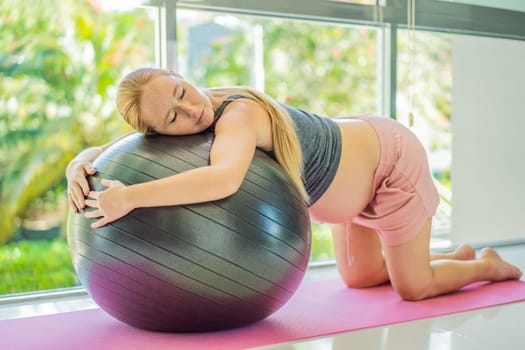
{"x": 488, "y": 128}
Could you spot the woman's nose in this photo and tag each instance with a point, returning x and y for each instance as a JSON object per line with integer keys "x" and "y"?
{"x": 186, "y": 107}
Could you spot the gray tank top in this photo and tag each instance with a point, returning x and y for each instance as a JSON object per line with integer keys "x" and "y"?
{"x": 320, "y": 140}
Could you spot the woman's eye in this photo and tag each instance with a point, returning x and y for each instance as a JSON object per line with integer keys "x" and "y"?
{"x": 173, "y": 117}
{"x": 182, "y": 94}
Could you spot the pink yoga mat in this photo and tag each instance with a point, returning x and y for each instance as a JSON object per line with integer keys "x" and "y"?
{"x": 319, "y": 308}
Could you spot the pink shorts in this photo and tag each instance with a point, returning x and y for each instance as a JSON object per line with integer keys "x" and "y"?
{"x": 404, "y": 196}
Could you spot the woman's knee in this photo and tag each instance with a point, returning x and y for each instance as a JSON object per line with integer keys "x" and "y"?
{"x": 411, "y": 292}
{"x": 356, "y": 281}
{"x": 359, "y": 256}
{"x": 364, "y": 276}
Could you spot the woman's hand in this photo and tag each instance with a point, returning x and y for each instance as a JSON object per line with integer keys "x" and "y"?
{"x": 77, "y": 184}
{"x": 110, "y": 204}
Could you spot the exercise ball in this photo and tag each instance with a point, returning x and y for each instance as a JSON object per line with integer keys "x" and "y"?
{"x": 191, "y": 268}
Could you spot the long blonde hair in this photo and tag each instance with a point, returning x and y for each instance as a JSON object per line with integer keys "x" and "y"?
{"x": 286, "y": 146}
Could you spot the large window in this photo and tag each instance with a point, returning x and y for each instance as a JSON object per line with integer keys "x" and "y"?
{"x": 414, "y": 60}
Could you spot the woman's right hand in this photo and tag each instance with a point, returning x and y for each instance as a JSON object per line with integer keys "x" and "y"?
{"x": 77, "y": 184}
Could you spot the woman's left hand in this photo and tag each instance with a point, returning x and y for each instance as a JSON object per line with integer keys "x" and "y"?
{"x": 109, "y": 204}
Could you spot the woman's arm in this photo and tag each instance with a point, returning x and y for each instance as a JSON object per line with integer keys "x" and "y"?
{"x": 230, "y": 156}
{"x": 91, "y": 153}
{"x": 77, "y": 171}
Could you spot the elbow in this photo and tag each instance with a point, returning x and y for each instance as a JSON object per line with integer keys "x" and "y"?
{"x": 225, "y": 181}
{"x": 228, "y": 188}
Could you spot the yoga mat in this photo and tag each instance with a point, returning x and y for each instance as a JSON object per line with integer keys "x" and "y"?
{"x": 318, "y": 308}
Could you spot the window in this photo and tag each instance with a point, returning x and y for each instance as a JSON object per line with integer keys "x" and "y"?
{"x": 59, "y": 65}
{"x": 60, "y": 62}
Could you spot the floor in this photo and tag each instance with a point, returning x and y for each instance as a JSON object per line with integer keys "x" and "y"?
{"x": 500, "y": 327}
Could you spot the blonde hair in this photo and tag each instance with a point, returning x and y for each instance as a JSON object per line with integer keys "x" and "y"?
{"x": 129, "y": 95}
{"x": 286, "y": 146}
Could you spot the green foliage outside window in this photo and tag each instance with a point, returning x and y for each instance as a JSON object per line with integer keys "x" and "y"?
{"x": 29, "y": 266}
{"x": 59, "y": 64}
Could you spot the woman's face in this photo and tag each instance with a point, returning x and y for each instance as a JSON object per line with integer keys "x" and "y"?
{"x": 172, "y": 106}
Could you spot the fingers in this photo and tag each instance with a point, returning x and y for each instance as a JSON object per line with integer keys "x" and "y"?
{"x": 93, "y": 214}
{"x": 78, "y": 186}
{"x": 84, "y": 186}
{"x": 93, "y": 203}
{"x": 72, "y": 204}
{"x": 76, "y": 198}
{"x": 88, "y": 168}
{"x": 93, "y": 194}
{"x": 81, "y": 179}
{"x": 110, "y": 183}
{"x": 97, "y": 214}
{"x": 104, "y": 213}
{"x": 100, "y": 223}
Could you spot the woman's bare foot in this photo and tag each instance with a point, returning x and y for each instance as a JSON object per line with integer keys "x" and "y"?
{"x": 499, "y": 269}
{"x": 464, "y": 252}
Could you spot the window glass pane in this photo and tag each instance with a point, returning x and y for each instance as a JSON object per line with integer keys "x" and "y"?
{"x": 515, "y": 5}
{"x": 424, "y": 87}
{"x": 60, "y": 62}
{"x": 324, "y": 68}
{"x": 362, "y": 2}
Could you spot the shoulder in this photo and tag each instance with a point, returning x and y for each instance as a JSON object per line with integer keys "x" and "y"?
{"x": 248, "y": 120}
{"x": 242, "y": 110}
